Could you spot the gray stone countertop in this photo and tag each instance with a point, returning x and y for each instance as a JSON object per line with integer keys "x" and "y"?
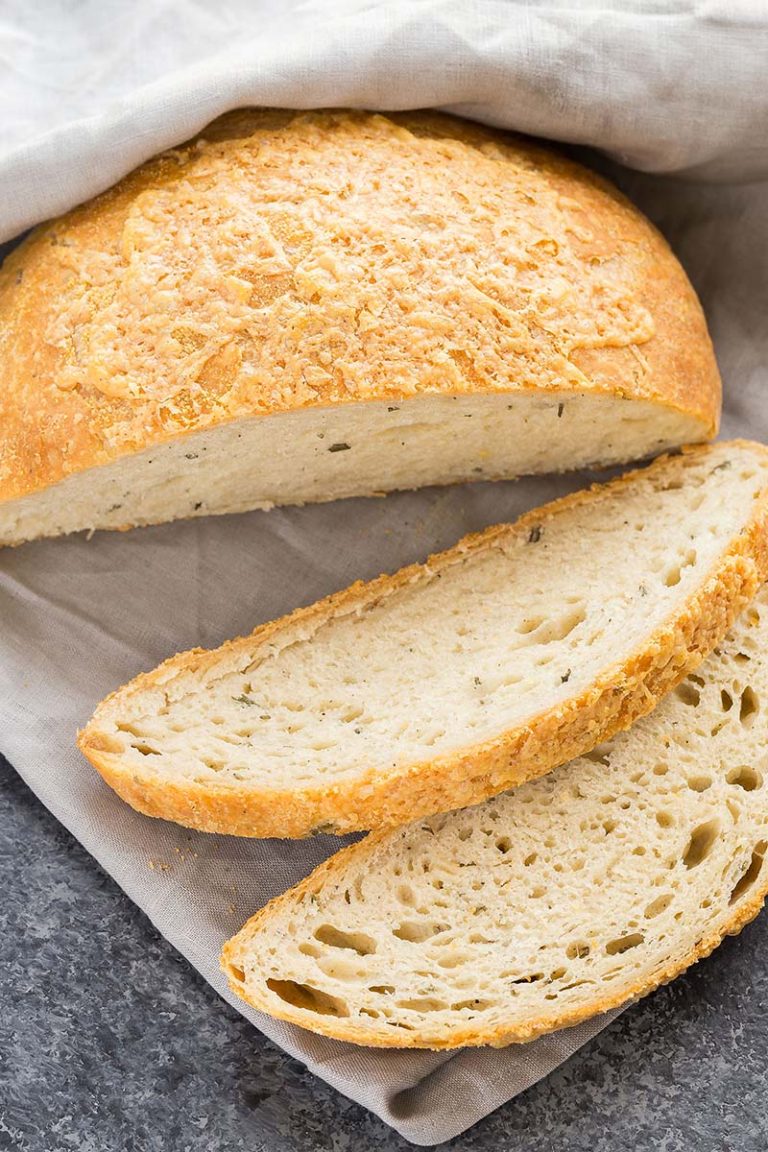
{"x": 111, "y": 1042}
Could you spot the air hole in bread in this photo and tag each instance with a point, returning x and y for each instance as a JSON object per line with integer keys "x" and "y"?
{"x": 751, "y": 874}
{"x": 700, "y": 843}
{"x": 657, "y": 906}
{"x": 337, "y": 967}
{"x": 503, "y": 844}
{"x": 661, "y": 769}
{"x": 130, "y": 729}
{"x": 726, "y": 700}
{"x": 699, "y": 783}
{"x": 745, "y": 777}
{"x": 544, "y": 631}
{"x": 453, "y": 960}
{"x": 294, "y": 706}
{"x": 236, "y": 973}
{"x": 688, "y": 694}
{"x": 530, "y": 624}
{"x": 530, "y": 859}
{"x": 382, "y": 989}
{"x": 563, "y": 627}
{"x": 146, "y": 749}
{"x": 415, "y": 932}
{"x": 354, "y": 941}
{"x": 578, "y": 950}
{"x": 750, "y": 704}
{"x": 352, "y": 713}
{"x": 624, "y": 943}
{"x": 309, "y": 998}
{"x": 472, "y": 1005}
{"x": 665, "y": 819}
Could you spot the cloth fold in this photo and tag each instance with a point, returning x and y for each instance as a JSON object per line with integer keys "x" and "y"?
{"x": 90, "y": 91}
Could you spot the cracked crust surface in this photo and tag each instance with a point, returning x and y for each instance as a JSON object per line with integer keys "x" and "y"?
{"x": 624, "y": 691}
{"x": 285, "y": 261}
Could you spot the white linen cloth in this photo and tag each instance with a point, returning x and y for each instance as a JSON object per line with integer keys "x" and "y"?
{"x": 89, "y": 90}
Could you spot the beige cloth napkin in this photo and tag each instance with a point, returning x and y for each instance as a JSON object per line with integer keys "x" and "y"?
{"x": 79, "y": 617}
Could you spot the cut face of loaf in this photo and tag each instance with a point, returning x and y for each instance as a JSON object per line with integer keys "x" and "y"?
{"x": 549, "y": 904}
{"x": 302, "y": 306}
{"x": 351, "y": 450}
{"x": 432, "y": 689}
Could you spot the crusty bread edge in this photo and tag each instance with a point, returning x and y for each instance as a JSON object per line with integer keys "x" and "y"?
{"x": 620, "y": 696}
{"x": 474, "y": 1035}
{"x": 684, "y": 376}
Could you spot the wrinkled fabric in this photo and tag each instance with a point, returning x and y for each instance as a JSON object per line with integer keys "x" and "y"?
{"x": 92, "y": 89}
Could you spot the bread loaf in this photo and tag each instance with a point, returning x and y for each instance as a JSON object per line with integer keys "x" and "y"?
{"x": 304, "y": 306}
{"x": 450, "y": 681}
{"x": 567, "y": 897}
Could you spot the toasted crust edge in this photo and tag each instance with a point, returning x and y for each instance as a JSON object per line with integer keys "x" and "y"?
{"x": 499, "y": 1037}
{"x": 622, "y": 695}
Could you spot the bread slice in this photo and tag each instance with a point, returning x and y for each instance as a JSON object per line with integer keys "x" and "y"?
{"x": 450, "y": 681}
{"x": 305, "y": 306}
{"x": 569, "y": 896}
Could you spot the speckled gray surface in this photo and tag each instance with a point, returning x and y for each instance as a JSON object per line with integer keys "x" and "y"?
{"x": 111, "y": 1042}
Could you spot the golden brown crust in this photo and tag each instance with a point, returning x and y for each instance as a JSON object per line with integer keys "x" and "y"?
{"x": 337, "y": 1028}
{"x": 623, "y": 694}
{"x": 290, "y": 260}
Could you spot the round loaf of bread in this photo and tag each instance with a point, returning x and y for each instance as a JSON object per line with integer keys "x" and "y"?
{"x": 301, "y": 306}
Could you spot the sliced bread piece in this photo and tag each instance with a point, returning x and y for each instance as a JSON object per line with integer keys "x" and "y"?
{"x": 450, "y": 681}
{"x": 535, "y": 910}
{"x": 301, "y": 306}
